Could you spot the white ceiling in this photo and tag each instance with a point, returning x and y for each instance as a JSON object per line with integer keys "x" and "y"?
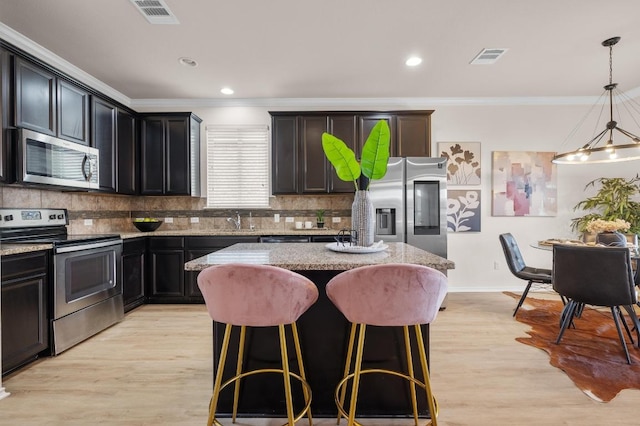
{"x": 341, "y": 48}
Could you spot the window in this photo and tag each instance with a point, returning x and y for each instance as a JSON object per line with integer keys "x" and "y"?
{"x": 237, "y": 166}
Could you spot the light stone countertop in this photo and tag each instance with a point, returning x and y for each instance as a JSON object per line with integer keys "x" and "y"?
{"x": 316, "y": 257}
{"x": 8, "y": 249}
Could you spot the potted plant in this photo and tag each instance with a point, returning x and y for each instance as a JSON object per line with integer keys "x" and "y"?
{"x": 613, "y": 200}
{"x": 372, "y": 165}
{"x": 320, "y": 218}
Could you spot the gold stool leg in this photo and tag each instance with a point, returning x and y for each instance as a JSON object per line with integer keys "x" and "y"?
{"x": 296, "y": 341}
{"x": 236, "y": 385}
{"x": 216, "y": 386}
{"x": 407, "y": 347}
{"x": 285, "y": 372}
{"x": 347, "y": 366}
{"x": 356, "y": 376}
{"x": 431, "y": 401}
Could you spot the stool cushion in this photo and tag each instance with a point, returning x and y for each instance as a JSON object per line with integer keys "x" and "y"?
{"x": 255, "y": 295}
{"x": 389, "y": 295}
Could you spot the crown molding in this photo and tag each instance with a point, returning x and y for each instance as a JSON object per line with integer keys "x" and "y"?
{"x": 392, "y": 103}
{"x": 25, "y": 44}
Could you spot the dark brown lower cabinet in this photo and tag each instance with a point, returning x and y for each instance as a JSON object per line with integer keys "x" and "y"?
{"x": 201, "y": 246}
{"x": 25, "y": 315}
{"x": 133, "y": 273}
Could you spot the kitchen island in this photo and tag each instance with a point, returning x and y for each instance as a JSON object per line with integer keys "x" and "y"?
{"x": 323, "y": 333}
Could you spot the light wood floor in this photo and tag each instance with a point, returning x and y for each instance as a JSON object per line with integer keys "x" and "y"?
{"x": 155, "y": 368}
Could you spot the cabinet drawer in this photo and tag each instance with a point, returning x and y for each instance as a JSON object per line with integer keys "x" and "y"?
{"x": 161, "y": 243}
{"x": 218, "y": 242}
{"x": 24, "y": 265}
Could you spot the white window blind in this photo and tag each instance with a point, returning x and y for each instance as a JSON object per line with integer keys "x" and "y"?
{"x": 237, "y": 166}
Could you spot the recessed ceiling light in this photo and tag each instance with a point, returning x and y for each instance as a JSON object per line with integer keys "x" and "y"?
{"x": 413, "y": 61}
{"x": 226, "y": 91}
{"x": 188, "y": 62}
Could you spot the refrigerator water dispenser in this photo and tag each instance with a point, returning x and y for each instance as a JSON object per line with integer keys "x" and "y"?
{"x": 385, "y": 221}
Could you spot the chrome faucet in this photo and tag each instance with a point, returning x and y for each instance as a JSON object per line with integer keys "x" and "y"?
{"x": 235, "y": 221}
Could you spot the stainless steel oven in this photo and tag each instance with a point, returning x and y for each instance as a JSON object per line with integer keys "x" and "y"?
{"x": 86, "y": 287}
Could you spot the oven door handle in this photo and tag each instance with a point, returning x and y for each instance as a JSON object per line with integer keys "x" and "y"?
{"x": 80, "y": 247}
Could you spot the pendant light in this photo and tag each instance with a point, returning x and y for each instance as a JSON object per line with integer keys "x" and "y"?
{"x": 602, "y": 148}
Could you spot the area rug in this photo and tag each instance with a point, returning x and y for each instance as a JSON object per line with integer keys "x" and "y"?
{"x": 590, "y": 354}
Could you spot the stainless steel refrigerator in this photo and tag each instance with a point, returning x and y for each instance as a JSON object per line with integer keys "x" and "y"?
{"x": 411, "y": 203}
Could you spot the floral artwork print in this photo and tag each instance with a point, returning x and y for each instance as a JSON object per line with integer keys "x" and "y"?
{"x": 463, "y": 211}
{"x": 463, "y": 162}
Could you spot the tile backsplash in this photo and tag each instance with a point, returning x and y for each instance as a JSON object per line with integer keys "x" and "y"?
{"x": 113, "y": 213}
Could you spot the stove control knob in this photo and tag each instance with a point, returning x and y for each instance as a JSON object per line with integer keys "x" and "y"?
{"x": 52, "y": 216}
{"x": 8, "y": 218}
{"x": 60, "y": 216}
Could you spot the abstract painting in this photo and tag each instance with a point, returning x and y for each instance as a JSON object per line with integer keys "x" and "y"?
{"x": 463, "y": 210}
{"x": 463, "y": 162}
{"x": 524, "y": 184}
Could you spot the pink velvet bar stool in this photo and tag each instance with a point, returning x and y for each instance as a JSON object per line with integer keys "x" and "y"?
{"x": 247, "y": 295}
{"x": 387, "y": 295}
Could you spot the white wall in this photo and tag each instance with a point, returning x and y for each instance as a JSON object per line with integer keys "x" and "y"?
{"x": 498, "y": 128}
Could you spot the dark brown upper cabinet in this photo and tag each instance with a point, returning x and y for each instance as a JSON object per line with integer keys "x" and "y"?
{"x": 170, "y": 154}
{"x": 35, "y": 103}
{"x": 6, "y": 165}
{"x": 413, "y": 134}
{"x": 284, "y": 154}
{"x": 104, "y": 138}
{"x": 73, "y": 113}
{"x": 299, "y": 165}
{"x": 127, "y": 153}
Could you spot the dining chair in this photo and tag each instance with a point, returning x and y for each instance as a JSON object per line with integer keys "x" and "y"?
{"x": 247, "y": 295}
{"x": 518, "y": 267}
{"x": 389, "y": 295}
{"x": 598, "y": 276}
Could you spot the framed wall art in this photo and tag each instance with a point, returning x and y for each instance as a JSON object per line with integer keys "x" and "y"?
{"x": 463, "y": 210}
{"x": 463, "y": 162}
{"x": 524, "y": 184}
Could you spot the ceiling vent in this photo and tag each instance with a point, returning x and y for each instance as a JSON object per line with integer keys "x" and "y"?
{"x": 155, "y": 11}
{"x": 488, "y": 56}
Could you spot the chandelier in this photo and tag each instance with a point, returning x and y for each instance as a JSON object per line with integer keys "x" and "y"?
{"x": 607, "y": 152}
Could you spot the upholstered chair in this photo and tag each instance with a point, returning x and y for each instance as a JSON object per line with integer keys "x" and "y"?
{"x": 517, "y": 266}
{"x": 599, "y": 276}
{"x": 257, "y": 296}
{"x": 387, "y": 295}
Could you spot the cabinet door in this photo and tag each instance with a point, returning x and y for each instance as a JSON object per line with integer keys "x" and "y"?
{"x": 25, "y": 324}
{"x": 73, "y": 113}
{"x": 413, "y": 135}
{"x": 177, "y": 156}
{"x": 152, "y": 156}
{"x": 167, "y": 275}
{"x": 284, "y": 154}
{"x": 5, "y": 120}
{"x": 133, "y": 275}
{"x": 366, "y": 123}
{"x": 104, "y": 138}
{"x": 35, "y": 93}
{"x": 343, "y": 127}
{"x": 312, "y": 161}
{"x": 126, "y": 147}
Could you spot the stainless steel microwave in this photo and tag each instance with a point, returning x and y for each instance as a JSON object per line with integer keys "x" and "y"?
{"x": 48, "y": 160}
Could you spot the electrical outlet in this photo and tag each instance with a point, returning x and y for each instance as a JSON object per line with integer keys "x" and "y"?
{"x": 276, "y": 217}
{"x": 168, "y": 220}
{"x": 335, "y": 220}
{"x": 88, "y": 222}
{"x": 496, "y": 265}
{"x": 288, "y": 219}
{"x": 194, "y": 220}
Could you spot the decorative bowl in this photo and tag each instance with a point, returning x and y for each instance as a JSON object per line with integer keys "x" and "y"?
{"x": 147, "y": 226}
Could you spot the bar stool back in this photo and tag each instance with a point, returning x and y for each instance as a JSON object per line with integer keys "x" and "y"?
{"x": 387, "y": 295}
{"x": 247, "y": 295}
